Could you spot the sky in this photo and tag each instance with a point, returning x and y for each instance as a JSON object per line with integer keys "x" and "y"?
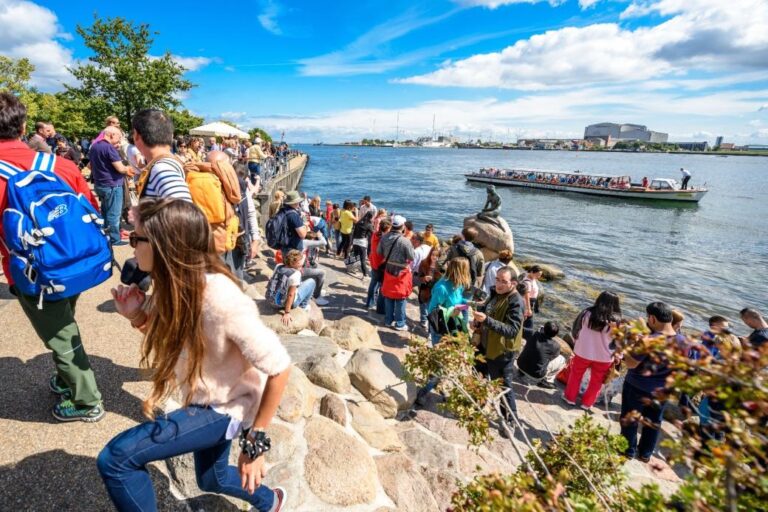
{"x": 490, "y": 69}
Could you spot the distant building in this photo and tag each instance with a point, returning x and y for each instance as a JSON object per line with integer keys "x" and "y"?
{"x": 693, "y": 146}
{"x": 627, "y": 131}
{"x": 755, "y": 147}
{"x": 727, "y": 146}
{"x": 719, "y": 141}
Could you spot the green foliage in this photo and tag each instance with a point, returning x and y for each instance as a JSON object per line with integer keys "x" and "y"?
{"x": 184, "y": 120}
{"x": 121, "y": 77}
{"x": 258, "y": 132}
{"x": 15, "y": 74}
{"x": 469, "y": 397}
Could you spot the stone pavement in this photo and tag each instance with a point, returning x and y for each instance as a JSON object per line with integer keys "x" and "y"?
{"x": 47, "y": 465}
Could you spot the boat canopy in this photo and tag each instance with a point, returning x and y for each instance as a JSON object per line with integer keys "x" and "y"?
{"x": 525, "y": 170}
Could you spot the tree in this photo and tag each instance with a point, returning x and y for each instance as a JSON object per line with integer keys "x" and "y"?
{"x": 258, "y": 132}
{"x": 184, "y": 120}
{"x": 15, "y": 75}
{"x": 121, "y": 77}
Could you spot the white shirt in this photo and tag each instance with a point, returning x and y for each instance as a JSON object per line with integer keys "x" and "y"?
{"x": 489, "y": 281}
{"x": 135, "y": 158}
{"x": 420, "y": 254}
{"x": 685, "y": 172}
{"x": 368, "y": 208}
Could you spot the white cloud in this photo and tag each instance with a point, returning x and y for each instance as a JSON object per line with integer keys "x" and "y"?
{"x": 562, "y": 113}
{"x": 268, "y": 17}
{"x": 708, "y": 35}
{"x": 586, "y": 4}
{"x": 233, "y": 116}
{"x": 192, "y": 63}
{"x": 31, "y": 31}
{"x": 493, "y": 4}
{"x": 763, "y": 107}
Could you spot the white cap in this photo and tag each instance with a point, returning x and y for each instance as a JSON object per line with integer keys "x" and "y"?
{"x": 397, "y": 221}
{"x": 258, "y": 140}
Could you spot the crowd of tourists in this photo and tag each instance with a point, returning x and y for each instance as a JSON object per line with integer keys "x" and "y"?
{"x": 193, "y": 228}
{"x": 577, "y": 179}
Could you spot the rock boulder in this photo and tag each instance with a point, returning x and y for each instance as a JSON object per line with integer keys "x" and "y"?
{"x": 404, "y": 484}
{"x": 272, "y": 319}
{"x": 491, "y": 238}
{"x": 378, "y": 376}
{"x": 324, "y": 371}
{"x": 298, "y": 399}
{"x": 301, "y": 348}
{"x": 332, "y": 407}
{"x": 373, "y": 428}
{"x": 338, "y": 468}
{"x": 352, "y": 332}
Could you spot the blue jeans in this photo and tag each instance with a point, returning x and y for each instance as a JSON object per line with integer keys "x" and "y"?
{"x": 374, "y": 285}
{"x": 632, "y": 399}
{"x": 200, "y": 430}
{"x": 254, "y": 170}
{"x": 394, "y": 311}
{"x": 423, "y": 314}
{"x": 304, "y": 293}
{"x": 503, "y": 367}
{"x": 111, "y": 199}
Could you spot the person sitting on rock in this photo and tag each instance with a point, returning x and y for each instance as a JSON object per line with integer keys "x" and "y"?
{"x": 286, "y": 289}
{"x": 541, "y": 358}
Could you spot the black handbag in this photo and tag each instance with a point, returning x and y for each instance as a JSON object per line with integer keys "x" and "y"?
{"x": 132, "y": 274}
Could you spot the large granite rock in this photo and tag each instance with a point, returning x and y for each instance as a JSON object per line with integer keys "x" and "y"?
{"x": 298, "y": 399}
{"x": 352, "y": 332}
{"x": 324, "y": 371}
{"x": 273, "y": 319}
{"x": 316, "y": 318}
{"x": 337, "y": 467}
{"x": 429, "y": 450}
{"x": 284, "y": 444}
{"x": 491, "y": 238}
{"x": 301, "y": 348}
{"x": 404, "y": 484}
{"x": 332, "y": 407}
{"x": 378, "y": 376}
{"x": 373, "y": 428}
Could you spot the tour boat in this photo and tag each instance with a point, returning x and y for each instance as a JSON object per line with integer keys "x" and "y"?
{"x": 659, "y": 189}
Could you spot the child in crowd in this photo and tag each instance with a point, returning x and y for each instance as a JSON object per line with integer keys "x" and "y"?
{"x": 286, "y": 290}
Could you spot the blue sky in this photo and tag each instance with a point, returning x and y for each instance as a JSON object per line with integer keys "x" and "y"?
{"x": 499, "y": 69}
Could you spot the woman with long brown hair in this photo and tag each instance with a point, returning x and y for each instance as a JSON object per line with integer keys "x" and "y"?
{"x": 203, "y": 339}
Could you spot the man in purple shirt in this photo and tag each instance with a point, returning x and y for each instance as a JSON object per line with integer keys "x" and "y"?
{"x": 108, "y": 171}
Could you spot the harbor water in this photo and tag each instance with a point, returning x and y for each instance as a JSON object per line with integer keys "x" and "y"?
{"x": 705, "y": 259}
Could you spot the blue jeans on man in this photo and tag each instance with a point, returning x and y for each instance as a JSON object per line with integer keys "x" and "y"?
{"x": 394, "y": 311}
{"x": 503, "y": 367}
{"x": 636, "y": 399}
{"x": 111, "y": 199}
{"x": 196, "y": 429}
{"x": 254, "y": 170}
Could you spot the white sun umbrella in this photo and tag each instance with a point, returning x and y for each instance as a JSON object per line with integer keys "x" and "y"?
{"x": 218, "y": 129}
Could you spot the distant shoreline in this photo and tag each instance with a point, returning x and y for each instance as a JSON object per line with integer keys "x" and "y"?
{"x": 707, "y": 153}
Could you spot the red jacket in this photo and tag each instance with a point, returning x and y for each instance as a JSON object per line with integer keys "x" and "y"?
{"x": 375, "y": 258}
{"x": 18, "y": 154}
{"x": 399, "y": 287}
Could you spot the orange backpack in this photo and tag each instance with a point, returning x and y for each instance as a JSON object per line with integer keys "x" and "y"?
{"x": 215, "y": 190}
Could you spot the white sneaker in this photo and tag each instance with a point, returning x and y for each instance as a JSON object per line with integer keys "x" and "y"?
{"x": 403, "y": 328}
{"x": 320, "y": 301}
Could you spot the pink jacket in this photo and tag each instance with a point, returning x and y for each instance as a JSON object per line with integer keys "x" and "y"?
{"x": 593, "y": 345}
{"x": 239, "y": 355}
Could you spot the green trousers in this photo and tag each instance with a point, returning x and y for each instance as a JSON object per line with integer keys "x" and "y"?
{"x": 56, "y": 326}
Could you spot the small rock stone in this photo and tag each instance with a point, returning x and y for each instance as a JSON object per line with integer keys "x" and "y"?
{"x": 338, "y": 467}
{"x": 378, "y": 376}
{"x": 298, "y": 398}
{"x": 429, "y": 450}
{"x": 403, "y": 483}
{"x": 373, "y": 428}
{"x": 332, "y": 407}
{"x": 352, "y": 332}
{"x": 316, "y": 318}
{"x": 324, "y": 371}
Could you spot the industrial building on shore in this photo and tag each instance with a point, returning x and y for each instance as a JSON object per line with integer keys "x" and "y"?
{"x": 611, "y": 133}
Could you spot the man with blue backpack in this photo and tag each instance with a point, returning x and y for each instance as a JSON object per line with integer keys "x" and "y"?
{"x": 53, "y": 247}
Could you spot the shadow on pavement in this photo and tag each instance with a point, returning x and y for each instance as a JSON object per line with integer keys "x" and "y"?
{"x": 27, "y": 397}
{"x": 58, "y": 481}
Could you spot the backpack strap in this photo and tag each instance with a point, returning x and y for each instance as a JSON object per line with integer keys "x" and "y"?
{"x": 7, "y": 171}
{"x": 43, "y": 162}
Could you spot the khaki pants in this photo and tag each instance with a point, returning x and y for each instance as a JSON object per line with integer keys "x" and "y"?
{"x": 56, "y": 326}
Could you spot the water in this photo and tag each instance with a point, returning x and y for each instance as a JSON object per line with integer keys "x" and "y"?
{"x": 704, "y": 259}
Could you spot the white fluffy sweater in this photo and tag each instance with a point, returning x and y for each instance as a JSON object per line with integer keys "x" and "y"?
{"x": 240, "y": 352}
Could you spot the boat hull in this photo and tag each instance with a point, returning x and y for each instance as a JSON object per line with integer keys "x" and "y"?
{"x": 686, "y": 196}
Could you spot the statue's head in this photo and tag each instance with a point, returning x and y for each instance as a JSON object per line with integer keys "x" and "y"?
{"x": 491, "y": 188}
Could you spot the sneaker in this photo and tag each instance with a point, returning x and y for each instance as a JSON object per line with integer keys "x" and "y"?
{"x": 281, "y": 496}
{"x": 120, "y": 243}
{"x": 58, "y": 387}
{"x": 320, "y": 301}
{"x": 644, "y": 460}
{"x": 546, "y": 384}
{"x": 567, "y": 401}
{"x": 68, "y": 411}
{"x": 586, "y": 409}
{"x": 403, "y": 328}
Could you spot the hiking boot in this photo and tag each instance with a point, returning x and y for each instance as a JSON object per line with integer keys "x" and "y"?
{"x": 57, "y": 387}
{"x": 68, "y": 411}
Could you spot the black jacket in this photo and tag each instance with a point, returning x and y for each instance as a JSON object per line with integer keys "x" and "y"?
{"x": 537, "y": 353}
{"x": 512, "y": 322}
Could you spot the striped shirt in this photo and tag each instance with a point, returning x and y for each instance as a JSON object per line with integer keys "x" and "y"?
{"x": 166, "y": 179}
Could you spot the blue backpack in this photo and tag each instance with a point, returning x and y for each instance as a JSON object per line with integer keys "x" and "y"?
{"x": 55, "y": 237}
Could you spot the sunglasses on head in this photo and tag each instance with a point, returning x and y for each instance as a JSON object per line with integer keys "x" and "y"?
{"x": 134, "y": 239}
